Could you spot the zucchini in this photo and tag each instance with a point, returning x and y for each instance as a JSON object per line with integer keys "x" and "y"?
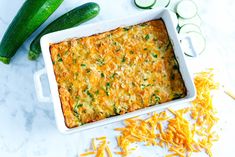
{"x": 161, "y": 3}
{"x": 196, "y": 20}
{"x": 186, "y": 9}
{"x": 30, "y": 16}
{"x": 198, "y": 41}
{"x": 145, "y": 4}
{"x": 189, "y": 28}
{"x": 173, "y": 4}
{"x": 70, "y": 19}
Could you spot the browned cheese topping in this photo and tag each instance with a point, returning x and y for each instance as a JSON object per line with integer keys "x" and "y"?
{"x": 116, "y": 72}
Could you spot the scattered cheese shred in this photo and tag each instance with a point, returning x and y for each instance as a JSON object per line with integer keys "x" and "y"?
{"x": 119, "y": 153}
{"x": 108, "y": 151}
{"x": 87, "y": 153}
{"x": 93, "y": 144}
{"x": 181, "y": 135}
{"x": 101, "y": 138}
{"x": 100, "y": 149}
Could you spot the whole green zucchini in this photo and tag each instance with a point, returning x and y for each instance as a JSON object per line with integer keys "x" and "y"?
{"x": 30, "y": 16}
{"x": 72, "y": 18}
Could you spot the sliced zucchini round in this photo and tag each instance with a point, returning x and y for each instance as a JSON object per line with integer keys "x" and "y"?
{"x": 162, "y": 3}
{"x": 198, "y": 41}
{"x": 189, "y": 28}
{"x": 173, "y": 4}
{"x": 186, "y": 9}
{"x": 145, "y": 4}
{"x": 196, "y": 20}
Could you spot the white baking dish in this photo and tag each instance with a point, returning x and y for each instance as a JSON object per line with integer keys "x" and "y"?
{"x": 90, "y": 29}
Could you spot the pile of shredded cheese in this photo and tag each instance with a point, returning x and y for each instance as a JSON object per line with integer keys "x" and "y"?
{"x": 181, "y": 135}
{"x": 100, "y": 150}
{"x": 186, "y": 131}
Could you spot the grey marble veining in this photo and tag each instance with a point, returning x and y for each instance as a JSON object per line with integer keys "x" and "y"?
{"x": 27, "y": 127}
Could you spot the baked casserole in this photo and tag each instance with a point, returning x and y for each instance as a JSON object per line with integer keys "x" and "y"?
{"x": 116, "y": 72}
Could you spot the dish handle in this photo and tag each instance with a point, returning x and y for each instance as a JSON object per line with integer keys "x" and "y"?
{"x": 190, "y": 45}
{"x": 38, "y": 86}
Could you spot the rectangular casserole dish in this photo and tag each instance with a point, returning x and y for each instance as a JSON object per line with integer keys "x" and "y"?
{"x": 91, "y": 29}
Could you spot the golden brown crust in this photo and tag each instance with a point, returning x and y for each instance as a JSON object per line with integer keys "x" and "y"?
{"x": 116, "y": 72}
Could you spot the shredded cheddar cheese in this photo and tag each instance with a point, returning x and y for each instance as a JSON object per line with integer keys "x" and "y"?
{"x": 172, "y": 129}
{"x": 100, "y": 149}
{"x": 181, "y": 135}
{"x": 93, "y": 144}
{"x": 87, "y": 153}
{"x": 101, "y": 138}
{"x": 108, "y": 151}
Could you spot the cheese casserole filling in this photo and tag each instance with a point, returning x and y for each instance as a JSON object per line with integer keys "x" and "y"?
{"x": 116, "y": 72}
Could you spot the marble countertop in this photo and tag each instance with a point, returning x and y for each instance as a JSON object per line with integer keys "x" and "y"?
{"x": 27, "y": 127}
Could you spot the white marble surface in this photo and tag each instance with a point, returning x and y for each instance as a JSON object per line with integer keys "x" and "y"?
{"x": 27, "y": 127}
